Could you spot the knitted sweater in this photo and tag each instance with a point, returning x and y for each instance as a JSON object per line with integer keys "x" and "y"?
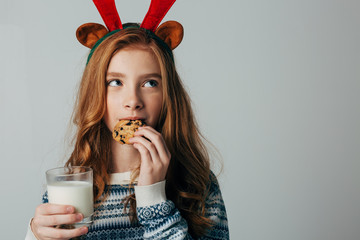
{"x": 158, "y": 218}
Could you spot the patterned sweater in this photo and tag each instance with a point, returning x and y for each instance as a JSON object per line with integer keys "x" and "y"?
{"x": 158, "y": 218}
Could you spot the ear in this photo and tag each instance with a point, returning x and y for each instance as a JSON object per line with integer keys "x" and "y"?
{"x": 171, "y": 32}
{"x": 89, "y": 33}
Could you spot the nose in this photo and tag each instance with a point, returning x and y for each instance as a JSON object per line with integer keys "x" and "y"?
{"x": 133, "y": 100}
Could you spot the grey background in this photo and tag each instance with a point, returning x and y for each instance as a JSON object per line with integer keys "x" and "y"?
{"x": 275, "y": 87}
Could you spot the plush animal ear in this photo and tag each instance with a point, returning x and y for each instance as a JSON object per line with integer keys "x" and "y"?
{"x": 171, "y": 32}
{"x": 89, "y": 33}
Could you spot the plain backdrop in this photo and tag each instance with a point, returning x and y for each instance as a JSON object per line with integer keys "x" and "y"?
{"x": 275, "y": 86}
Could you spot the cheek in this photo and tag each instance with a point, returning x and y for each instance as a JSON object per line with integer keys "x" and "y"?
{"x": 156, "y": 104}
{"x": 110, "y": 112}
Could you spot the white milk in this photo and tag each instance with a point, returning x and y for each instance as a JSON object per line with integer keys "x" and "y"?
{"x": 76, "y": 193}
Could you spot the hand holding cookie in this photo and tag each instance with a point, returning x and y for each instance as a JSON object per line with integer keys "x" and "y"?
{"x": 155, "y": 156}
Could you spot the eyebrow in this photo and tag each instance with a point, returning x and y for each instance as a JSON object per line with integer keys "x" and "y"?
{"x": 115, "y": 74}
{"x": 147, "y": 75}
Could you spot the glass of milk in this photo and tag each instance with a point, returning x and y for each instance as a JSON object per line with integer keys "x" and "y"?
{"x": 72, "y": 186}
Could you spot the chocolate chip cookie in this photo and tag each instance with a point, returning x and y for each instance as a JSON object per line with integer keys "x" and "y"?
{"x": 125, "y": 129}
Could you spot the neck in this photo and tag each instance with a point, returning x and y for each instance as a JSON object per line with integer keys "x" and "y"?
{"x": 124, "y": 157}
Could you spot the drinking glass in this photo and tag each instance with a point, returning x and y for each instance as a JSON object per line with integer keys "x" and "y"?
{"x": 72, "y": 186}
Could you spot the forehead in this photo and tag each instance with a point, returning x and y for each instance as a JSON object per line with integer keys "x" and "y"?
{"x": 134, "y": 59}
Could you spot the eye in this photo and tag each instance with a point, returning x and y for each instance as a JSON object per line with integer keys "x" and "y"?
{"x": 151, "y": 83}
{"x": 114, "y": 83}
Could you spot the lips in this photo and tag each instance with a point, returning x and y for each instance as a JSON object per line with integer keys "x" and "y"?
{"x": 133, "y": 118}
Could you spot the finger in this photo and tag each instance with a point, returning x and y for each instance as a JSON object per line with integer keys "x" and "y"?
{"x": 53, "y": 220}
{"x": 157, "y": 135}
{"x": 150, "y": 148}
{"x": 150, "y": 130}
{"x": 146, "y": 160}
{"x": 148, "y": 174}
{"x": 56, "y": 233}
{"x": 157, "y": 139}
{"x": 50, "y": 209}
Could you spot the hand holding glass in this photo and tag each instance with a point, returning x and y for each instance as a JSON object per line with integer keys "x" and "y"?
{"x": 72, "y": 186}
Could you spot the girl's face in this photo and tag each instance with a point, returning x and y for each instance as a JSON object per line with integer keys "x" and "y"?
{"x": 134, "y": 87}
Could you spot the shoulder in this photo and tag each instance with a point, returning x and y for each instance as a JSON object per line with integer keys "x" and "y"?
{"x": 213, "y": 185}
{"x": 215, "y": 208}
{"x": 213, "y": 177}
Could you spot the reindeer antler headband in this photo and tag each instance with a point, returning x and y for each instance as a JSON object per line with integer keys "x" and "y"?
{"x": 169, "y": 33}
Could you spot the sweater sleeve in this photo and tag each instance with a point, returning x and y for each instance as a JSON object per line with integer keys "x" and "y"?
{"x": 163, "y": 220}
{"x": 216, "y": 211}
{"x": 29, "y": 234}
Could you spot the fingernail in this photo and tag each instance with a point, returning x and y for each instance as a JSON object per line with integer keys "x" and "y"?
{"x": 69, "y": 209}
{"x": 84, "y": 230}
{"x": 79, "y": 217}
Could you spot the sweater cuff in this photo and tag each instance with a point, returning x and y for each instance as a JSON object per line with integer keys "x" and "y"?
{"x": 30, "y": 235}
{"x": 150, "y": 195}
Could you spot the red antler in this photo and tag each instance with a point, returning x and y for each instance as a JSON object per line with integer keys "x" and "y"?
{"x": 157, "y": 11}
{"x": 109, "y": 14}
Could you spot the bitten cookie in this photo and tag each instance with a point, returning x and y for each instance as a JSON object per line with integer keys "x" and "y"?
{"x": 125, "y": 129}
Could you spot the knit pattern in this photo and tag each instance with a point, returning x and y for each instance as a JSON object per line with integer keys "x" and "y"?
{"x": 160, "y": 221}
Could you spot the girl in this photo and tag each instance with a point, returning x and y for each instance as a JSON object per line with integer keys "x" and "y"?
{"x": 158, "y": 187}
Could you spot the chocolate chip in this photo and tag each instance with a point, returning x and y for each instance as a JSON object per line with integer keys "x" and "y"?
{"x": 116, "y": 133}
{"x": 122, "y": 141}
